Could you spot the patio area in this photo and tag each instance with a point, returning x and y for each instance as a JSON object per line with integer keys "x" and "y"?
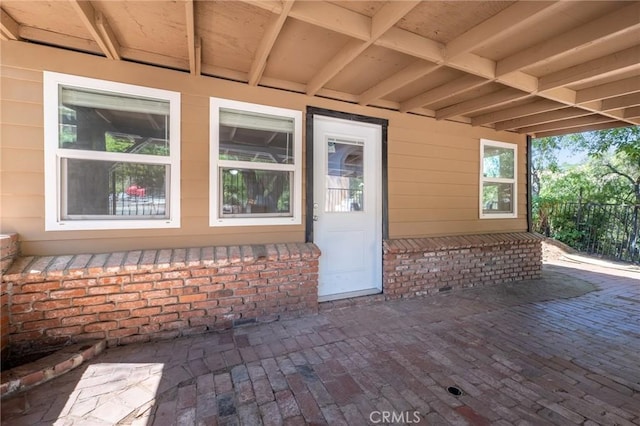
{"x": 561, "y": 350}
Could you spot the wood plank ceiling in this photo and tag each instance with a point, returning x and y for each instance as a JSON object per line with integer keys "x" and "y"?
{"x": 538, "y": 67}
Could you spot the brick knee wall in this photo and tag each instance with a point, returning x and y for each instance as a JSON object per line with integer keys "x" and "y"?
{"x": 9, "y": 250}
{"x": 154, "y": 294}
{"x": 415, "y": 267}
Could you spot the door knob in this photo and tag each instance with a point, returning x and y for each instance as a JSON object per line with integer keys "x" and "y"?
{"x": 315, "y": 218}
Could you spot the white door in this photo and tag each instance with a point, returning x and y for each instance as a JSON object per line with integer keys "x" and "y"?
{"x": 347, "y": 201}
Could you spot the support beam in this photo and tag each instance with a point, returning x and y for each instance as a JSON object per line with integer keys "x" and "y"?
{"x": 567, "y": 124}
{"x": 10, "y": 29}
{"x": 626, "y": 101}
{"x": 501, "y": 26}
{"x": 332, "y": 17}
{"x": 400, "y": 79}
{"x": 621, "y": 21}
{"x": 516, "y": 112}
{"x": 609, "y": 90}
{"x": 442, "y": 92}
{"x": 191, "y": 34}
{"x": 266, "y": 44}
{"x": 632, "y": 112}
{"x": 107, "y": 35}
{"x": 545, "y": 117}
{"x": 492, "y": 100}
{"x": 57, "y": 39}
{"x": 389, "y": 15}
{"x": 335, "y": 65}
{"x": 198, "y": 54}
{"x": 87, "y": 15}
{"x": 621, "y": 61}
{"x": 355, "y": 25}
{"x": 384, "y": 19}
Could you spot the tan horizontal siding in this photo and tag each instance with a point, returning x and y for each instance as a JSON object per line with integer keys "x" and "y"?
{"x": 442, "y": 228}
{"x": 433, "y": 173}
{"x": 21, "y": 137}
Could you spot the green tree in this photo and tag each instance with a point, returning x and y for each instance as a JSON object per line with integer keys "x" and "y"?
{"x": 611, "y": 176}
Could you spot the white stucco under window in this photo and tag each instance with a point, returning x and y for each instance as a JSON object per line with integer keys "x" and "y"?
{"x": 498, "y": 179}
{"x": 255, "y": 164}
{"x": 112, "y": 155}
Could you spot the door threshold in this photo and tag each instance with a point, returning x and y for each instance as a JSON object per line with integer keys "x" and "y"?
{"x": 349, "y": 294}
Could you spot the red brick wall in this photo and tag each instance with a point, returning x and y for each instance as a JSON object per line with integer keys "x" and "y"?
{"x": 143, "y": 295}
{"x": 416, "y": 267}
{"x": 9, "y": 250}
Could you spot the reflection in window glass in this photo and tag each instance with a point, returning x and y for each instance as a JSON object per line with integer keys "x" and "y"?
{"x": 345, "y": 176}
{"x": 94, "y": 120}
{"x": 247, "y": 192}
{"x": 498, "y": 162}
{"x": 497, "y": 197}
{"x": 255, "y": 137}
{"x": 114, "y": 189}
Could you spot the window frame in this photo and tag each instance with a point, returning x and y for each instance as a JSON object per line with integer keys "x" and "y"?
{"x": 513, "y": 181}
{"x": 54, "y": 155}
{"x": 216, "y": 165}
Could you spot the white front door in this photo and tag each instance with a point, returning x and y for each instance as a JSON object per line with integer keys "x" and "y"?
{"x": 347, "y": 206}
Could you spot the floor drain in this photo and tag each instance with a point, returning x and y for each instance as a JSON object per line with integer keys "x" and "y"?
{"x": 454, "y": 391}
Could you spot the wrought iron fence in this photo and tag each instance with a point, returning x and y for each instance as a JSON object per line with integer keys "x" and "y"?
{"x": 607, "y": 230}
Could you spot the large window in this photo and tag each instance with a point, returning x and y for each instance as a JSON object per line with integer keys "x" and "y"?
{"x": 255, "y": 165}
{"x": 112, "y": 155}
{"x": 498, "y": 179}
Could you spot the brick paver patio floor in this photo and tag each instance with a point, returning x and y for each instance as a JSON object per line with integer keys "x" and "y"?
{"x": 562, "y": 350}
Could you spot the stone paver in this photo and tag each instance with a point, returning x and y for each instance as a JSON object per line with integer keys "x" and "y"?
{"x": 562, "y": 350}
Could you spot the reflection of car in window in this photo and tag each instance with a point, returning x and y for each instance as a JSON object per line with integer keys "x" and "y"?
{"x": 136, "y": 191}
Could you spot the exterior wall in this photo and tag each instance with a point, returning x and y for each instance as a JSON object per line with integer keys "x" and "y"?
{"x": 433, "y": 166}
{"x": 139, "y": 296}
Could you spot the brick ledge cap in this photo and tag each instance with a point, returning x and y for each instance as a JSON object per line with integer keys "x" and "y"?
{"x": 83, "y": 265}
{"x": 457, "y": 242}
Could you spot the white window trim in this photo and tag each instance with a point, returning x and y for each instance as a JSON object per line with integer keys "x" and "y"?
{"x": 514, "y": 181}
{"x": 53, "y": 155}
{"x": 215, "y": 163}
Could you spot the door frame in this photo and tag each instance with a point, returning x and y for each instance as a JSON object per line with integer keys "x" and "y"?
{"x": 309, "y": 164}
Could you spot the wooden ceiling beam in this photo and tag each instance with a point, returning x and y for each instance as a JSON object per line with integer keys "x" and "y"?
{"x": 388, "y": 15}
{"x": 400, "y": 79}
{"x": 567, "y": 124}
{"x": 545, "y": 117}
{"x": 337, "y": 63}
{"x": 500, "y": 26}
{"x": 273, "y": 6}
{"x": 89, "y": 18}
{"x": 580, "y": 129}
{"x": 498, "y": 98}
{"x": 632, "y": 112}
{"x": 442, "y": 92}
{"x": 154, "y": 58}
{"x": 191, "y": 35}
{"x": 57, "y": 39}
{"x": 516, "y": 112}
{"x": 623, "y": 60}
{"x": 9, "y": 28}
{"x": 107, "y": 35}
{"x": 266, "y": 44}
{"x": 609, "y": 90}
{"x": 334, "y": 18}
{"x": 625, "y": 101}
{"x": 616, "y": 23}
{"x": 411, "y": 44}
